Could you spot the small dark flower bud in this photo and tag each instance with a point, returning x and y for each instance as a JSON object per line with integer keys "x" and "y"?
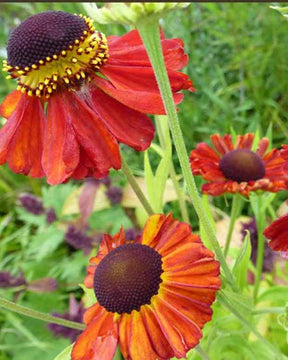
{"x": 31, "y": 204}
{"x": 114, "y": 194}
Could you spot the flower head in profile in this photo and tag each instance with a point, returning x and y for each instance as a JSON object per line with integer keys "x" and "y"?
{"x": 277, "y": 232}
{"x": 79, "y": 94}
{"x": 236, "y": 168}
{"x": 154, "y": 294}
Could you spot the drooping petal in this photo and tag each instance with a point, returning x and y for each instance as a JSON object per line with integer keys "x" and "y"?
{"x": 61, "y": 150}
{"x": 98, "y": 341}
{"x": 142, "y": 101}
{"x": 277, "y": 232}
{"x": 127, "y": 125}
{"x": 139, "y": 78}
{"x": 9, "y": 103}
{"x": 21, "y": 138}
{"x": 90, "y": 131}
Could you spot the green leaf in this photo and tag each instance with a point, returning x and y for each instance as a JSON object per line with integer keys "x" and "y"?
{"x": 242, "y": 262}
{"x": 275, "y": 295}
{"x": 65, "y": 354}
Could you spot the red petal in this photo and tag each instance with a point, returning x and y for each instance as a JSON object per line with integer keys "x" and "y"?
{"x": 128, "y": 126}
{"x": 21, "y": 138}
{"x": 98, "y": 341}
{"x": 9, "y": 103}
{"x": 61, "y": 152}
{"x": 278, "y": 233}
{"x": 100, "y": 145}
{"x": 145, "y": 102}
{"x": 141, "y": 78}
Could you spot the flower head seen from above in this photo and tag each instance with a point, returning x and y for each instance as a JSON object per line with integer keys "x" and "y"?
{"x": 154, "y": 294}
{"x": 277, "y": 232}
{"x": 237, "y": 168}
{"x": 79, "y": 94}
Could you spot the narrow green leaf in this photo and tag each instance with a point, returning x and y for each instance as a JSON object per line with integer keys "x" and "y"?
{"x": 65, "y": 354}
{"x": 242, "y": 262}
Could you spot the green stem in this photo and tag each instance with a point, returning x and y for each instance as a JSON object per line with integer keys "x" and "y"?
{"x": 180, "y": 193}
{"x": 39, "y": 315}
{"x": 236, "y": 206}
{"x": 260, "y": 221}
{"x": 149, "y": 31}
{"x": 131, "y": 179}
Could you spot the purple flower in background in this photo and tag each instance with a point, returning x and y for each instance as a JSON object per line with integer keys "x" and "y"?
{"x": 31, "y": 204}
{"x": 43, "y": 285}
{"x": 269, "y": 255}
{"x": 114, "y": 194}
{"x": 78, "y": 239}
{"x": 50, "y": 216}
{"x": 7, "y": 280}
{"x": 131, "y": 234}
{"x": 75, "y": 313}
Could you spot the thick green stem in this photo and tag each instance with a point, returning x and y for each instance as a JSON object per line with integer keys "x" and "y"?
{"x": 236, "y": 207}
{"x": 260, "y": 221}
{"x": 39, "y": 315}
{"x": 180, "y": 193}
{"x": 130, "y": 178}
{"x": 149, "y": 31}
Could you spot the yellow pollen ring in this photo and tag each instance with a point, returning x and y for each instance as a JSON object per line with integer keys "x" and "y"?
{"x": 67, "y": 69}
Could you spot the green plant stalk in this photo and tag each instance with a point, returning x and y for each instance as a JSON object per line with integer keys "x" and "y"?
{"x": 149, "y": 32}
{"x": 236, "y": 206}
{"x": 180, "y": 193}
{"x": 9, "y": 305}
{"x": 260, "y": 221}
{"x": 130, "y": 178}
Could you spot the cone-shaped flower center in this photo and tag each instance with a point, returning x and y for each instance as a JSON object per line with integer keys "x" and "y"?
{"x": 53, "y": 49}
{"x": 242, "y": 165}
{"x": 128, "y": 277}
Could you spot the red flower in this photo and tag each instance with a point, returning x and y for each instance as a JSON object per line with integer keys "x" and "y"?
{"x": 277, "y": 232}
{"x": 236, "y": 168}
{"x": 154, "y": 295}
{"x": 97, "y": 91}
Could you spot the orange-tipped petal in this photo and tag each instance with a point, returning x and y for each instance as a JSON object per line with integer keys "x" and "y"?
{"x": 21, "y": 138}
{"x": 9, "y": 103}
{"x": 181, "y": 332}
{"x": 132, "y": 332}
{"x": 98, "y": 341}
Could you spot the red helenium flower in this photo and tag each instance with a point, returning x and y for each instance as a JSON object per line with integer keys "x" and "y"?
{"x": 78, "y": 95}
{"x": 277, "y": 232}
{"x": 236, "y": 168}
{"x": 154, "y": 295}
